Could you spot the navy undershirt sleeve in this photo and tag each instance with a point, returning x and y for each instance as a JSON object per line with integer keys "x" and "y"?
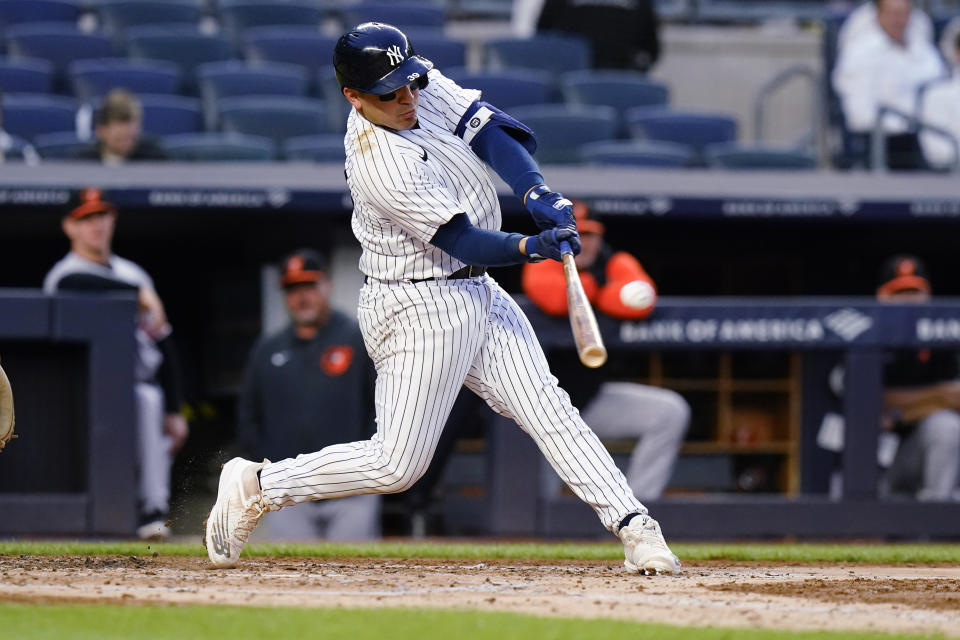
{"x": 512, "y": 162}
{"x": 480, "y": 247}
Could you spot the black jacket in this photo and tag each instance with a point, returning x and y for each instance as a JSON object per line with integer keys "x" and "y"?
{"x": 622, "y": 33}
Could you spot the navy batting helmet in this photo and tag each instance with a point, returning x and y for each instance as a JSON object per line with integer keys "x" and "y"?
{"x": 377, "y": 58}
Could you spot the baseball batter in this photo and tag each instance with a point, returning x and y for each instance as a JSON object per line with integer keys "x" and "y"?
{"x": 427, "y": 217}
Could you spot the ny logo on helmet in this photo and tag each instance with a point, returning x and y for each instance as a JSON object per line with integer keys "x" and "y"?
{"x": 395, "y": 55}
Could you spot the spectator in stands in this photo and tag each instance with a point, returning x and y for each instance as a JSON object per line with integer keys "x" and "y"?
{"x": 863, "y": 21}
{"x": 940, "y": 106}
{"x": 921, "y": 402}
{"x": 622, "y": 33}
{"x": 92, "y": 267}
{"x": 119, "y": 123}
{"x": 13, "y": 148}
{"x": 618, "y": 285}
{"x": 306, "y": 387}
{"x": 885, "y": 67}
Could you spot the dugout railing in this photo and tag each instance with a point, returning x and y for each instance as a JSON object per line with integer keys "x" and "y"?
{"x": 857, "y": 330}
{"x": 70, "y": 360}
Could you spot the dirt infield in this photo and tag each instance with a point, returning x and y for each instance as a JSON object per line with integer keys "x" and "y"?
{"x": 907, "y": 599}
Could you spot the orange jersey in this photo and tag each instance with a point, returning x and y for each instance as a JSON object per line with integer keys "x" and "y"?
{"x": 544, "y": 284}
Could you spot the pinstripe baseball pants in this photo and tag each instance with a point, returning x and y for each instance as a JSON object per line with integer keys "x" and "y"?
{"x": 428, "y": 339}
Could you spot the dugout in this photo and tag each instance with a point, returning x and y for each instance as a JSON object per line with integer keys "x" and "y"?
{"x": 205, "y": 232}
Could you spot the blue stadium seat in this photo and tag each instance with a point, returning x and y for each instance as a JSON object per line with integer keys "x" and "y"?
{"x": 117, "y": 15}
{"x": 275, "y": 118}
{"x": 548, "y": 52}
{"x": 165, "y": 115}
{"x": 29, "y": 115}
{"x": 734, "y": 156}
{"x": 296, "y": 45}
{"x": 61, "y": 145}
{"x": 218, "y": 147}
{"x": 93, "y": 78}
{"x": 58, "y": 43}
{"x": 507, "y": 89}
{"x": 326, "y": 147}
{"x": 237, "y": 15}
{"x": 615, "y": 88}
{"x": 328, "y": 88}
{"x": 24, "y": 11}
{"x": 184, "y": 45}
{"x": 20, "y": 150}
{"x": 561, "y": 129}
{"x": 403, "y": 15}
{"x": 637, "y": 153}
{"x": 443, "y": 52}
{"x": 26, "y": 76}
{"x": 232, "y": 78}
{"x": 694, "y": 129}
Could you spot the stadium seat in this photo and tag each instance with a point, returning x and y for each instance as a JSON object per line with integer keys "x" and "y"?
{"x": 61, "y": 145}
{"x": 93, "y": 78}
{"x": 232, "y": 78}
{"x": 58, "y": 43}
{"x": 238, "y": 15}
{"x": 694, "y": 129}
{"x": 296, "y": 45}
{"x": 618, "y": 89}
{"x": 507, "y": 89}
{"x": 321, "y": 148}
{"x": 26, "y": 76}
{"x": 561, "y": 129}
{"x": 734, "y": 156}
{"x": 184, "y": 45}
{"x": 24, "y": 11}
{"x": 117, "y": 15}
{"x": 403, "y": 15}
{"x": 337, "y": 106}
{"x": 275, "y": 118}
{"x": 548, "y": 52}
{"x": 443, "y": 52}
{"x": 165, "y": 115}
{"x": 637, "y": 153}
{"x": 29, "y": 115}
{"x": 218, "y": 147}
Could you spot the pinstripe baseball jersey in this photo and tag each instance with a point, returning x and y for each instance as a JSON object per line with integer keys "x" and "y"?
{"x": 429, "y": 339}
{"x": 407, "y": 184}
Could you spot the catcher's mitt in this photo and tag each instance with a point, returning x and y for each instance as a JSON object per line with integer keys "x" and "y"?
{"x": 6, "y": 410}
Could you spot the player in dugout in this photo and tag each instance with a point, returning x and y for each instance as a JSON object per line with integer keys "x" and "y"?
{"x": 617, "y": 285}
{"x": 92, "y": 267}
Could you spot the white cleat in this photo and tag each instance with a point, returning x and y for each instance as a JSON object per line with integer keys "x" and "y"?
{"x": 238, "y": 509}
{"x": 644, "y": 548}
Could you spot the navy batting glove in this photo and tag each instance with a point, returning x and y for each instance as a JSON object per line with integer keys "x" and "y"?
{"x": 549, "y": 208}
{"x": 547, "y": 244}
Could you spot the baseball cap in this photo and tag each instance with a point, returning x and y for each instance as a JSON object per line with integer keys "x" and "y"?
{"x": 87, "y": 202}
{"x": 303, "y": 266}
{"x": 903, "y": 273}
{"x": 586, "y": 224}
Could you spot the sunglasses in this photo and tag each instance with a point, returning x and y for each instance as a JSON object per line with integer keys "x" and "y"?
{"x": 419, "y": 84}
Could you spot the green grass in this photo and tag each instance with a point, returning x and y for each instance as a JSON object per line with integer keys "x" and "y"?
{"x": 98, "y": 622}
{"x": 479, "y": 551}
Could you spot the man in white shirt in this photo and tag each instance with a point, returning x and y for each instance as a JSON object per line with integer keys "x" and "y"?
{"x": 885, "y": 67}
{"x": 940, "y": 106}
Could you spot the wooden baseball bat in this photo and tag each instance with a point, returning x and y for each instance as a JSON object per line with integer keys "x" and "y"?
{"x": 582, "y": 321}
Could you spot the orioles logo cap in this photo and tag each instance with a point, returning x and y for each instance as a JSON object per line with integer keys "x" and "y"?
{"x": 87, "y": 202}
{"x": 303, "y": 266}
{"x": 903, "y": 273}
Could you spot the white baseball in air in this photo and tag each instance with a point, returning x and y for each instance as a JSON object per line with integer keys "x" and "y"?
{"x": 637, "y": 294}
